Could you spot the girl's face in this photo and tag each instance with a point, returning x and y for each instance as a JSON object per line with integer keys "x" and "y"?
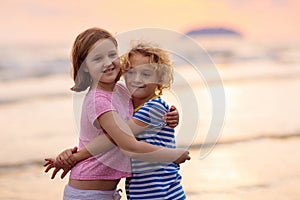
{"x": 102, "y": 62}
{"x": 141, "y": 79}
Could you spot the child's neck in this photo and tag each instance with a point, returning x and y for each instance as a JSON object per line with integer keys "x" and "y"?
{"x": 138, "y": 102}
{"x": 109, "y": 87}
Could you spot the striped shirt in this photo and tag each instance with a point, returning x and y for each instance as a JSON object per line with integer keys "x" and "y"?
{"x": 155, "y": 180}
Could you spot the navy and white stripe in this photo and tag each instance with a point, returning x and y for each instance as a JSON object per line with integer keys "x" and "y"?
{"x": 155, "y": 180}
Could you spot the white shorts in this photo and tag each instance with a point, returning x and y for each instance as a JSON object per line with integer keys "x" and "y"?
{"x": 71, "y": 193}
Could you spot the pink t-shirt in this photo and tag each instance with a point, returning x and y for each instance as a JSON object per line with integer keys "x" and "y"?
{"x": 112, "y": 164}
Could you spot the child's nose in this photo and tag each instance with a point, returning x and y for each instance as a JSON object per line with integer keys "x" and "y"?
{"x": 137, "y": 78}
{"x": 108, "y": 62}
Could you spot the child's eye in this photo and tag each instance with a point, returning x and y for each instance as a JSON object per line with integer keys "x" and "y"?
{"x": 144, "y": 74}
{"x": 130, "y": 72}
{"x": 113, "y": 55}
{"x": 98, "y": 58}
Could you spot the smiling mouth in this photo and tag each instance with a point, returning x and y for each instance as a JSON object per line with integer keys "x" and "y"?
{"x": 109, "y": 69}
{"x": 138, "y": 86}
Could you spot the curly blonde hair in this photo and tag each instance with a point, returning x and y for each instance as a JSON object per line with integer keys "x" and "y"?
{"x": 159, "y": 58}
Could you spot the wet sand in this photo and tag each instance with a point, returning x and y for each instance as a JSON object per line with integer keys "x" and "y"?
{"x": 261, "y": 169}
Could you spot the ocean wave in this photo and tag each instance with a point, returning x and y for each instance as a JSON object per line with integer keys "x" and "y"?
{"x": 16, "y": 71}
{"x": 231, "y": 141}
{"x": 38, "y": 163}
{"x": 42, "y": 60}
{"x": 11, "y": 167}
{"x": 5, "y": 100}
{"x": 49, "y": 96}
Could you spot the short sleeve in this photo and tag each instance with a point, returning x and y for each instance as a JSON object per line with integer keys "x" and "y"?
{"x": 151, "y": 113}
{"x": 99, "y": 105}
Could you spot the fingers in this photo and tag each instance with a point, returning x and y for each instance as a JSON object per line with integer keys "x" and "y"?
{"x": 67, "y": 157}
{"x": 74, "y": 150}
{"x": 185, "y": 156}
{"x": 54, "y": 173}
{"x": 65, "y": 172}
{"x": 172, "y": 118}
{"x": 172, "y": 124}
{"x": 172, "y": 108}
{"x": 172, "y": 114}
{"x": 49, "y": 164}
{"x": 188, "y": 157}
{"x": 48, "y": 161}
{"x": 72, "y": 160}
{"x": 48, "y": 168}
{"x": 59, "y": 160}
{"x": 63, "y": 158}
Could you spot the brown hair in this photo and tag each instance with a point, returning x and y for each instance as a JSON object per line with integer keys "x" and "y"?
{"x": 81, "y": 47}
{"x": 159, "y": 57}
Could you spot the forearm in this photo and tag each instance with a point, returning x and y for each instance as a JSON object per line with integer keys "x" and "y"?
{"x": 97, "y": 146}
{"x": 82, "y": 154}
{"x": 148, "y": 152}
{"x": 159, "y": 155}
{"x": 122, "y": 135}
{"x": 136, "y": 126}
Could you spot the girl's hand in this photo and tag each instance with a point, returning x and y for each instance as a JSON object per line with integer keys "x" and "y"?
{"x": 66, "y": 158}
{"x": 51, "y": 163}
{"x": 172, "y": 118}
{"x": 185, "y": 156}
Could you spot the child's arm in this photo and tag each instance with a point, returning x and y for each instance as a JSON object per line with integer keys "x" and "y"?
{"x": 98, "y": 145}
{"x": 119, "y": 131}
{"x": 102, "y": 143}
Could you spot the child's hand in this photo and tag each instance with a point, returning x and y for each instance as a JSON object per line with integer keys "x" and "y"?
{"x": 51, "y": 163}
{"x": 172, "y": 118}
{"x": 185, "y": 156}
{"x": 66, "y": 158}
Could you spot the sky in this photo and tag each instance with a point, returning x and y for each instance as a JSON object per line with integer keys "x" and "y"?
{"x": 56, "y": 21}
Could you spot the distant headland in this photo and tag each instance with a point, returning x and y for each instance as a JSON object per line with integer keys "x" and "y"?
{"x": 221, "y": 31}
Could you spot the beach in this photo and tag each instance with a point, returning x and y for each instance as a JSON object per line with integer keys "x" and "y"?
{"x": 256, "y": 156}
{"x": 262, "y": 169}
{"x": 257, "y": 146}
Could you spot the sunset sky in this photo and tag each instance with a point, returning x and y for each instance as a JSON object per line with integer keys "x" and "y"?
{"x": 35, "y": 21}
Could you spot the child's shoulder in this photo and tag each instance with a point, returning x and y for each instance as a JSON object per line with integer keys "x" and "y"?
{"x": 157, "y": 103}
{"x": 121, "y": 88}
{"x": 96, "y": 97}
{"x": 121, "y": 85}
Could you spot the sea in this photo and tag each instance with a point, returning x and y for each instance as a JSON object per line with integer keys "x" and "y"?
{"x": 248, "y": 93}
